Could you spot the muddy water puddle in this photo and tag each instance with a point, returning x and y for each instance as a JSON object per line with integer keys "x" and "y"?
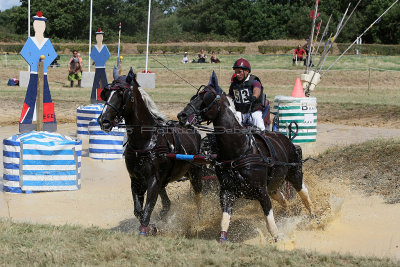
{"x": 358, "y": 225}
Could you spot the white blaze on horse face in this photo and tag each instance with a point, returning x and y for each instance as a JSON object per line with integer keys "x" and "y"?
{"x": 272, "y": 228}
{"x": 106, "y": 106}
{"x": 226, "y": 219}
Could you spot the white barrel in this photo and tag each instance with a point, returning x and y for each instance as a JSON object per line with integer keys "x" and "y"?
{"x": 104, "y": 145}
{"x": 84, "y": 114}
{"x": 41, "y": 161}
{"x": 302, "y": 110}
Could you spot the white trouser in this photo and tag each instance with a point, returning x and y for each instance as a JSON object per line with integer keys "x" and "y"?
{"x": 254, "y": 118}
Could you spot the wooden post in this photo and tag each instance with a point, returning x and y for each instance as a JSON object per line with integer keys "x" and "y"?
{"x": 120, "y": 65}
{"x": 39, "y": 97}
{"x": 369, "y": 78}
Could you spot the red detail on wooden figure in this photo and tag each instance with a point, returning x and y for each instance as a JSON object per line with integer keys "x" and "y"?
{"x": 25, "y": 110}
{"x": 48, "y": 112}
{"x": 98, "y": 93}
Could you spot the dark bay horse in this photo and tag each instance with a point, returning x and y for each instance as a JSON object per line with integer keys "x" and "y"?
{"x": 250, "y": 164}
{"x": 150, "y": 138}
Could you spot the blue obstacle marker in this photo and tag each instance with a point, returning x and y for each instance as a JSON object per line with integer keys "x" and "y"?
{"x": 41, "y": 161}
{"x": 104, "y": 145}
{"x": 84, "y": 115}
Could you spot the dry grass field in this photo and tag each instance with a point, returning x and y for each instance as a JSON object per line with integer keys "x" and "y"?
{"x": 355, "y": 92}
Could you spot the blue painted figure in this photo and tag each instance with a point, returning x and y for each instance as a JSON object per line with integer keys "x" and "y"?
{"x": 99, "y": 55}
{"x": 31, "y": 52}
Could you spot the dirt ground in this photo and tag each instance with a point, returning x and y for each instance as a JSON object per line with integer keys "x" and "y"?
{"x": 349, "y": 223}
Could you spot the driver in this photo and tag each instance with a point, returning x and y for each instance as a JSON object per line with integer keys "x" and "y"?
{"x": 246, "y": 91}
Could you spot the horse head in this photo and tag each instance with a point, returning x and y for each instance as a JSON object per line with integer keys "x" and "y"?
{"x": 204, "y": 105}
{"x": 118, "y": 97}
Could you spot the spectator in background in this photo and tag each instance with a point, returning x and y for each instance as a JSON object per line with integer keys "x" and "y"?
{"x": 202, "y": 57}
{"x": 185, "y": 58}
{"x": 75, "y": 68}
{"x": 298, "y": 54}
{"x": 309, "y": 49}
{"x": 214, "y": 58}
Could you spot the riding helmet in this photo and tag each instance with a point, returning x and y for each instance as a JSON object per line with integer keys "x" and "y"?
{"x": 242, "y": 63}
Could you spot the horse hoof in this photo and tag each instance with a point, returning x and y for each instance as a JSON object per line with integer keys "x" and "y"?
{"x": 153, "y": 230}
{"x": 222, "y": 237}
{"x": 150, "y": 230}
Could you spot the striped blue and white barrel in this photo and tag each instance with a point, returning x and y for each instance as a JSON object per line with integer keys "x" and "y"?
{"x": 104, "y": 145}
{"x": 41, "y": 161}
{"x": 85, "y": 114}
{"x": 302, "y": 110}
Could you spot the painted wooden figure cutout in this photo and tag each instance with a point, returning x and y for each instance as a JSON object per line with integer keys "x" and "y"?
{"x": 99, "y": 55}
{"x": 35, "y": 47}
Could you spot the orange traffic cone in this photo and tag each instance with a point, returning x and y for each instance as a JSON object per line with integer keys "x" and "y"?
{"x": 298, "y": 89}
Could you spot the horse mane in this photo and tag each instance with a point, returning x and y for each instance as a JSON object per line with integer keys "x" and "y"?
{"x": 151, "y": 106}
{"x": 232, "y": 108}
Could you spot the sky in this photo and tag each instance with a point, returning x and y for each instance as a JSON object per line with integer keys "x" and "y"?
{"x": 6, "y": 4}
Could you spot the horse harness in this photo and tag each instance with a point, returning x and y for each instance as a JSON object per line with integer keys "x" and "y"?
{"x": 247, "y": 159}
{"x": 158, "y": 150}
{"x": 153, "y": 150}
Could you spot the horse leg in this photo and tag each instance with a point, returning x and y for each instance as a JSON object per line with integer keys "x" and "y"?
{"x": 295, "y": 177}
{"x": 280, "y": 198}
{"x": 138, "y": 198}
{"x": 166, "y": 203}
{"x": 269, "y": 214}
{"x": 153, "y": 190}
{"x": 195, "y": 180}
{"x": 226, "y": 199}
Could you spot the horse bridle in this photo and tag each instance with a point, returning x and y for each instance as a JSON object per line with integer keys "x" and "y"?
{"x": 198, "y": 113}
{"x": 120, "y": 86}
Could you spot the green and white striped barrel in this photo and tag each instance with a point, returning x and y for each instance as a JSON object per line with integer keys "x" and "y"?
{"x": 302, "y": 110}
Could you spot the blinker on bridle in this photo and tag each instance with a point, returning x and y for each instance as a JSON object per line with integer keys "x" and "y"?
{"x": 119, "y": 86}
{"x": 198, "y": 113}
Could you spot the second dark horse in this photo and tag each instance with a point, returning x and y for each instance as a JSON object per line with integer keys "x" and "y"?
{"x": 150, "y": 138}
{"x": 250, "y": 164}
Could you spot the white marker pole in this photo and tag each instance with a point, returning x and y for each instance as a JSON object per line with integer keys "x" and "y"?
{"x": 90, "y": 31}
{"x": 148, "y": 33}
{"x": 29, "y": 18}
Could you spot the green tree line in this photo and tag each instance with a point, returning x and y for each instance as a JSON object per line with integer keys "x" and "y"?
{"x": 203, "y": 20}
